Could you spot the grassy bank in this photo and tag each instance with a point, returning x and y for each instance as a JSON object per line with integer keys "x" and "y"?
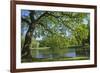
{"x": 59, "y": 59}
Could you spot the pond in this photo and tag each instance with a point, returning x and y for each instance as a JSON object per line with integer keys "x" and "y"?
{"x": 41, "y": 53}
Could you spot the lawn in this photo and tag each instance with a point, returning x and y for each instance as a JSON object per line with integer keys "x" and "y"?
{"x": 59, "y": 59}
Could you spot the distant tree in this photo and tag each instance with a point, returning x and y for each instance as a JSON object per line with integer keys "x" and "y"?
{"x": 57, "y": 44}
{"x": 34, "y": 43}
{"x": 81, "y": 34}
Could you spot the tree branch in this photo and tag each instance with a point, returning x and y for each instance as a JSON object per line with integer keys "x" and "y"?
{"x": 49, "y": 30}
{"x": 25, "y": 20}
{"x": 40, "y": 17}
{"x": 53, "y": 15}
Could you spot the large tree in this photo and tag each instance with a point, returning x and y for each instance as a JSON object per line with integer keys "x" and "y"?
{"x": 40, "y": 23}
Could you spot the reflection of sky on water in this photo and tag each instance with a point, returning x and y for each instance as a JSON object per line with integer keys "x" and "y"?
{"x": 71, "y": 54}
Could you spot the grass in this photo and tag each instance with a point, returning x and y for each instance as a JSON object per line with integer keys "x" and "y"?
{"x": 60, "y": 59}
{"x": 40, "y": 48}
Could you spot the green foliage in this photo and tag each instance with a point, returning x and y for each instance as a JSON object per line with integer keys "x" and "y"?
{"x": 59, "y": 23}
{"x": 57, "y": 43}
{"x": 81, "y": 33}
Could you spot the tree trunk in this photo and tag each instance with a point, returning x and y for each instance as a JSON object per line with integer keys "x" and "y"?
{"x": 26, "y": 53}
